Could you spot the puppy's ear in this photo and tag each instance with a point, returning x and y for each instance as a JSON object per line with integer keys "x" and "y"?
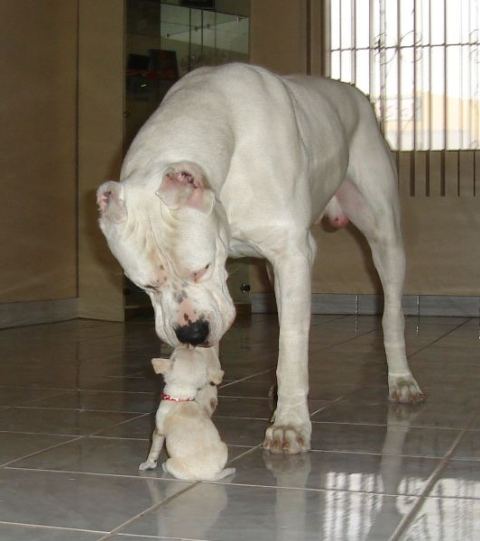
{"x": 161, "y": 366}
{"x": 184, "y": 186}
{"x": 216, "y": 376}
{"x": 110, "y": 201}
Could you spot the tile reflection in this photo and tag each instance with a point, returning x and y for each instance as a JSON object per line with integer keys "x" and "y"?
{"x": 232, "y": 512}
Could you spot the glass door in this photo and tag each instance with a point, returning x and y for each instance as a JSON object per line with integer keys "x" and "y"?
{"x": 164, "y": 40}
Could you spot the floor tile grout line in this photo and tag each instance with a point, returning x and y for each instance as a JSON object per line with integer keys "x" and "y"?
{"x": 6, "y": 465}
{"x": 74, "y": 437}
{"x": 410, "y": 355}
{"x": 388, "y": 423}
{"x": 83, "y": 410}
{"x": 26, "y": 403}
{"x": 435, "y": 475}
{"x": 327, "y": 406}
{"x": 118, "y": 528}
{"x": 69, "y": 390}
{"x": 157, "y": 538}
{"x": 112, "y": 427}
{"x": 107, "y": 437}
{"x": 49, "y": 527}
{"x": 250, "y": 449}
{"x": 246, "y": 452}
{"x": 266, "y": 371}
{"x": 132, "y": 476}
{"x": 313, "y": 490}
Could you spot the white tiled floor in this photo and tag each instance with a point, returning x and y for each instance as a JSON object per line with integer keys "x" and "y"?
{"x": 76, "y": 404}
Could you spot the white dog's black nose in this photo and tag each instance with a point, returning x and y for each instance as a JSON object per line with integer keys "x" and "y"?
{"x": 195, "y": 333}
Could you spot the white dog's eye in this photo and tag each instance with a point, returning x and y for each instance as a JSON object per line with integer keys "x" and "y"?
{"x": 198, "y": 275}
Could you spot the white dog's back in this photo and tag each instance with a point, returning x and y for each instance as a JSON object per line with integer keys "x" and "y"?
{"x": 194, "y": 445}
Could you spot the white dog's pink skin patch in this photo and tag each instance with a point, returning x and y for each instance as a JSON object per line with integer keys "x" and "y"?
{"x": 335, "y": 214}
{"x": 186, "y": 313}
{"x": 339, "y": 221}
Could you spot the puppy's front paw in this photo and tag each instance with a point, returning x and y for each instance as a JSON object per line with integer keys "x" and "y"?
{"x": 148, "y": 465}
{"x": 287, "y": 439}
{"x": 404, "y": 389}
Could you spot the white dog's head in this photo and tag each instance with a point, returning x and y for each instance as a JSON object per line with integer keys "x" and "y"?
{"x": 171, "y": 237}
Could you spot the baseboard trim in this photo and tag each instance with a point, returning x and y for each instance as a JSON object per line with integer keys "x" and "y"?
{"x": 421, "y": 305}
{"x": 17, "y": 314}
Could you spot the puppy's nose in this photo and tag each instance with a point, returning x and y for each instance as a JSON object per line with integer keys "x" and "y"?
{"x": 194, "y": 333}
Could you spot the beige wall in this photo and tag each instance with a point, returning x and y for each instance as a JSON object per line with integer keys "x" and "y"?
{"x": 100, "y": 143}
{"x": 277, "y": 35}
{"x": 38, "y": 42}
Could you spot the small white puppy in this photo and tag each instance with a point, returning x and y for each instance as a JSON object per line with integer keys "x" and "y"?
{"x": 193, "y": 444}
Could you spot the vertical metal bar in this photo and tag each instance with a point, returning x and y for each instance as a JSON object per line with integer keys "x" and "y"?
{"x": 353, "y": 56}
{"x": 201, "y": 33}
{"x": 340, "y": 36}
{"x": 383, "y": 63}
{"x": 371, "y": 48}
{"x": 399, "y": 88}
{"x": 477, "y": 112}
{"x": 474, "y": 173}
{"x": 308, "y": 37}
{"x": 460, "y": 49}
{"x": 470, "y": 59}
{"x": 215, "y": 36}
{"x": 413, "y": 157}
{"x": 327, "y": 37}
{"x": 475, "y": 95}
{"x": 189, "y": 63}
{"x": 445, "y": 90}
{"x": 430, "y": 127}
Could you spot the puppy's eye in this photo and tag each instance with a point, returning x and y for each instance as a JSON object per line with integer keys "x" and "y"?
{"x": 198, "y": 275}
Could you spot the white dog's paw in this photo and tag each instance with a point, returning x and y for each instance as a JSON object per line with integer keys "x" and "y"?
{"x": 288, "y": 439}
{"x": 148, "y": 465}
{"x": 404, "y": 389}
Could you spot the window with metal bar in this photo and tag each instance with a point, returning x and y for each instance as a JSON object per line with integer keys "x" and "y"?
{"x": 418, "y": 60}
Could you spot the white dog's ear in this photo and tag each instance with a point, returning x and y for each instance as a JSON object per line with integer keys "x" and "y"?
{"x": 216, "y": 376}
{"x": 161, "y": 366}
{"x": 110, "y": 201}
{"x": 184, "y": 185}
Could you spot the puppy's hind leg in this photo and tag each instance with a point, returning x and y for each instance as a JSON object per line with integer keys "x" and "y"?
{"x": 155, "y": 450}
{"x": 224, "y": 473}
{"x": 176, "y": 467}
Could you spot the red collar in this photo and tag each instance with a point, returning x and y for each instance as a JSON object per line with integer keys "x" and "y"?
{"x": 165, "y": 396}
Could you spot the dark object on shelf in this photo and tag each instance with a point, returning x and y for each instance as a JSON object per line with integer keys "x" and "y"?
{"x": 149, "y": 77}
{"x": 164, "y": 63}
{"x": 198, "y": 4}
{"x": 138, "y": 62}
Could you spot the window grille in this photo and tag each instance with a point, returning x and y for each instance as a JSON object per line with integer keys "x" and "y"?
{"x": 418, "y": 61}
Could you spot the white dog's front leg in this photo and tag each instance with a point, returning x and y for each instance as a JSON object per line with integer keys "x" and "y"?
{"x": 291, "y": 429}
{"x": 155, "y": 450}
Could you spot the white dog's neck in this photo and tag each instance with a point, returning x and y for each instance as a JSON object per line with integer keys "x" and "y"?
{"x": 172, "y": 398}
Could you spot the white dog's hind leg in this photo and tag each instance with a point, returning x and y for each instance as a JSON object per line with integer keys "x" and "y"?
{"x": 155, "y": 450}
{"x": 379, "y": 222}
{"x": 291, "y": 429}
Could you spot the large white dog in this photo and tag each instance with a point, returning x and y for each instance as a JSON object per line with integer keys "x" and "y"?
{"x": 238, "y": 161}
